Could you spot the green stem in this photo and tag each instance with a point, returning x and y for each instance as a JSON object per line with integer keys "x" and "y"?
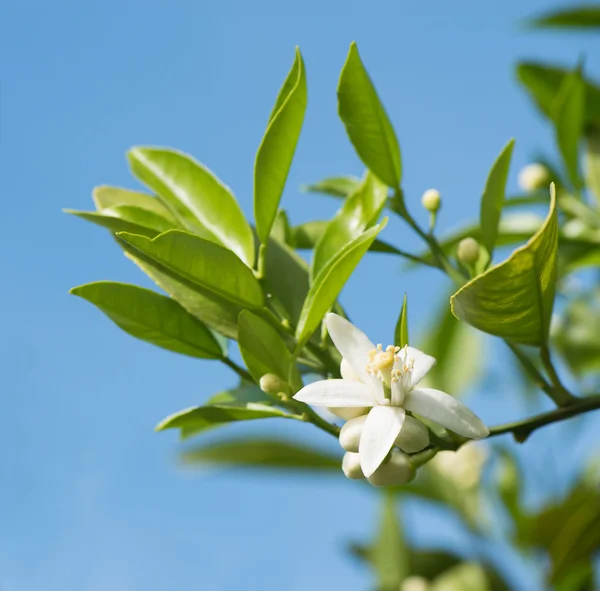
{"x": 238, "y": 369}
{"x": 560, "y": 394}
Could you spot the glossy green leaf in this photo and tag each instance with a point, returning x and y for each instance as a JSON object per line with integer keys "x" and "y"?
{"x": 262, "y": 348}
{"x": 401, "y": 332}
{"x": 263, "y": 454}
{"x": 106, "y": 197}
{"x": 580, "y": 17}
{"x": 592, "y": 163}
{"x": 336, "y": 186}
{"x": 330, "y": 281}
{"x": 203, "y": 263}
{"x": 366, "y": 121}
{"x": 276, "y": 152}
{"x": 359, "y": 211}
{"x": 570, "y": 114}
{"x": 196, "y": 196}
{"x": 113, "y": 223}
{"x": 282, "y": 230}
{"x": 493, "y": 198}
{"x": 201, "y": 418}
{"x": 151, "y": 317}
{"x": 514, "y": 299}
{"x": 389, "y": 554}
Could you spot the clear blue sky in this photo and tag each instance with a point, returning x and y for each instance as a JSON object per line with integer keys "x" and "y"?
{"x": 90, "y": 497}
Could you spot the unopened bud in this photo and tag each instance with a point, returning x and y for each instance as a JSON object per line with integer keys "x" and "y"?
{"x": 415, "y": 583}
{"x": 271, "y": 384}
{"x": 468, "y": 251}
{"x": 351, "y": 432}
{"x": 534, "y": 177}
{"x": 351, "y": 466}
{"x": 396, "y": 471}
{"x": 347, "y": 412}
{"x": 414, "y": 436}
{"x": 431, "y": 200}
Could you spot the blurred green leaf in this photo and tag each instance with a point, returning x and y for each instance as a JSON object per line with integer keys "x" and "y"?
{"x": 276, "y": 151}
{"x": 282, "y": 230}
{"x": 106, "y": 197}
{"x": 359, "y": 211}
{"x": 366, "y": 121}
{"x": 509, "y": 478}
{"x": 151, "y": 317}
{"x": 570, "y": 105}
{"x": 580, "y": 17}
{"x": 263, "y": 349}
{"x": 203, "y": 263}
{"x": 192, "y": 421}
{"x": 329, "y": 283}
{"x": 196, "y": 196}
{"x": 468, "y": 576}
{"x": 337, "y": 186}
{"x": 401, "y": 332}
{"x": 493, "y": 198}
{"x": 592, "y": 161}
{"x": 514, "y": 299}
{"x": 389, "y": 553}
{"x": 263, "y": 454}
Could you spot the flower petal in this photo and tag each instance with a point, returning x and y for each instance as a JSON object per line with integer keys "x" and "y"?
{"x": 447, "y": 411}
{"x": 413, "y": 437}
{"x": 336, "y": 393}
{"x": 354, "y": 345}
{"x": 347, "y": 413}
{"x": 381, "y": 428}
{"x": 422, "y": 364}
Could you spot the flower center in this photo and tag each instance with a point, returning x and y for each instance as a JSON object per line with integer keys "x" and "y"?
{"x": 381, "y": 362}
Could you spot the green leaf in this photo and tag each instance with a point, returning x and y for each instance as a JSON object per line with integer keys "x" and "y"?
{"x": 389, "y": 554}
{"x": 114, "y": 224}
{"x": 203, "y": 263}
{"x": 240, "y": 396}
{"x": 201, "y": 418}
{"x": 580, "y": 17}
{"x": 493, "y": 198}
{"x": 336, "y": 186}
{"x": 276, "y": 151}
{"x": 592, "y": 161}
{"x": 282, "y": 230}
{"x": 106, "y": 197}
{"x": 359, "y": 211}
{"x": 263, "y": 350}
{"x": 263, "y": 454}
{"x": 468, "y": 576}
{"x": 196, "y": 196}
{"x": 570, "y": 114}
{"x": 330, "y": 281}
{"x": 151, "y": 317}
{"x": 514, "y": 299}
{"x": 366, "y": 121}
{"x": 401, "y": 332}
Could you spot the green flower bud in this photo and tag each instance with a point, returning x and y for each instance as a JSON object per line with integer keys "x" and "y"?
{"x": 431, "y": 200}
{"x": 271, "y": 384}
{"x": 413, "y": 437}
{"x": 534, "y": 177}
{"x": 468, "y": 251}
{"x": 351, "y": 432}
{"x": 351, "y": 466}
{"x": 415, "y": 583}
{"x": 396, "y": 471}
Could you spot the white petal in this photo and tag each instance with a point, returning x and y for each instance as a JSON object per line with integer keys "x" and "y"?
{"x": 354, "y": 345}
{"x": 336, "y": 393}
{"x": 422, "y": 364}
{"x": 347, "y": 413}
{"x": 413, "y": 437}
{"x": 379, "y": 433}
{"x": 347, "y": 372}
{"x": 351, "y": 432}
{"x": 447, "y": 411}
{"x": 351, "y": 466}
{"x": 397, "y": 471}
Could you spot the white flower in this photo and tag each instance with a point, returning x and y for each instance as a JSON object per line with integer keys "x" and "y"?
{"x": 533, "y": 177}
{"x": 387, "y": 384}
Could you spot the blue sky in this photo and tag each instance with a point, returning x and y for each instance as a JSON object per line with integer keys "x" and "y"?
{"x": 91, "y": 499}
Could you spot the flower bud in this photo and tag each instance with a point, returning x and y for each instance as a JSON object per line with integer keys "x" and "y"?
{"x": 468, "y": 251}
{"x": 347, "y": 372}
{"x": 533, "y": 177}
{"x": 431, "y": 200}
{"x": 271, "y": 384}
{"x": 396, "y": 471}
{"x": 351, "y": 466}
{"x": 413, "y": 437}
{"x": 351, "y": 432}
{"x": 415, "y": 583}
